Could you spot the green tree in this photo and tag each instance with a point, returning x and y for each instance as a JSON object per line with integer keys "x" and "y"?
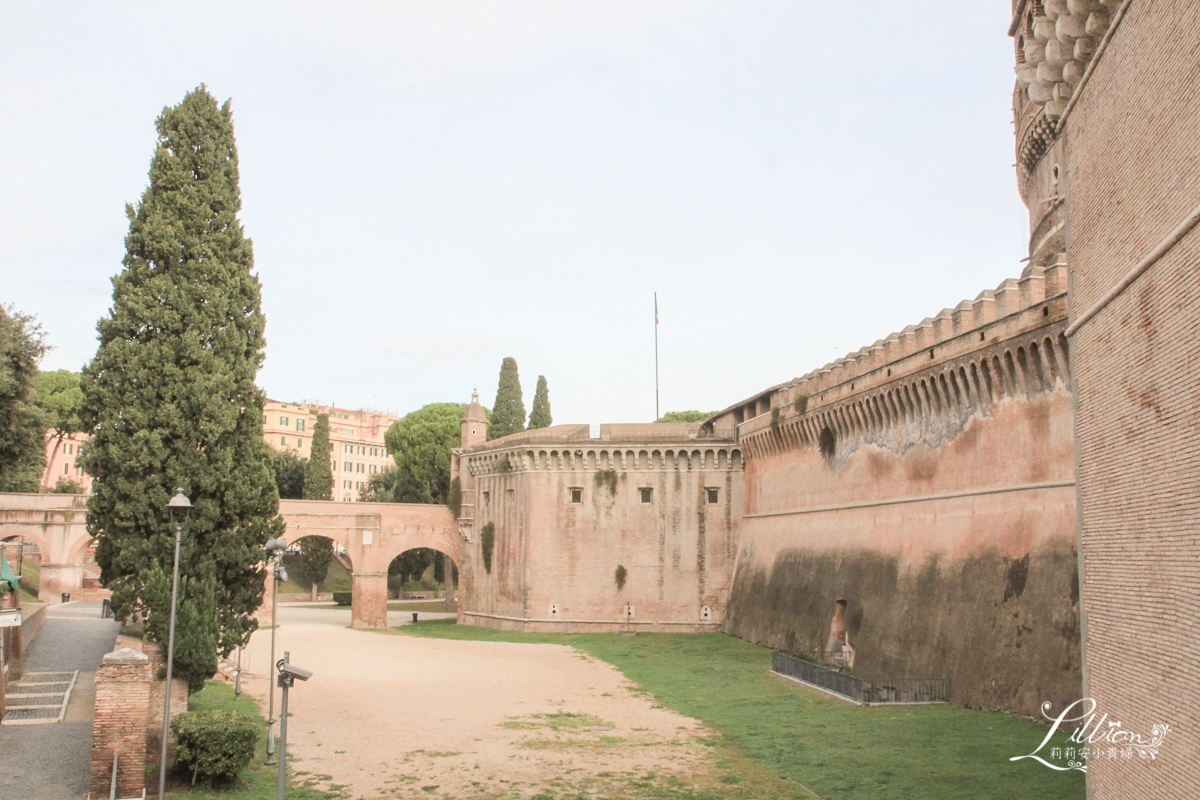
{"x": 22, "y": 422}
{"x": 67, "y": 486}
{"x": 685, "y": 416}
{"x": 171, "y": 399}
{"x": 539, "y": 412}
{"x": 316, "y": 552}
{"x": 420, "y": 444}
{"x": 318, "y": 473}
{"x": 289, "y": 469}
{"x": 60, "y": 399}
{"x": 508, "y": 412}
{"x": 411, "y": 564}
{"x": 381, "y": 488}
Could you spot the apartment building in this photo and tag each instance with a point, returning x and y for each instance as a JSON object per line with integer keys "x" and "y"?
{"x": 355, "y": 437}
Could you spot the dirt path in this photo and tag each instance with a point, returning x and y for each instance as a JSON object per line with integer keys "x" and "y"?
{"x": 398, "y": 716}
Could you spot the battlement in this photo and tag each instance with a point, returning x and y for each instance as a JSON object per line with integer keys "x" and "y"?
{"x": 1005, "y": 342}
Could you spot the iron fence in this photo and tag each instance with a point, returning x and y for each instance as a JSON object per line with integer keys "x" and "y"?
{"x": 872, "y": 691}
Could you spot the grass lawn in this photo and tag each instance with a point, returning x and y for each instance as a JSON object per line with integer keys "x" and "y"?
{"x": 31, "y": 576}
{"x": 257, "y": 781}
{"x": 836, "y": 749}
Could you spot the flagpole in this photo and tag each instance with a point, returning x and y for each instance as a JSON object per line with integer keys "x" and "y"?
{"x": 656, "y": 414}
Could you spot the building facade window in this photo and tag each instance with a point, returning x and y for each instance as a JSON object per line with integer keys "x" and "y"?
{"x": 283, "y": 421}
{"x": 68, "y": 449}
{"x": 283, "y": 441}
{"x": 372, "y": 469}
{"x": 576, "y": 495}
{"x": 349, "y": 467}
{"x": 362, "y": 467}
{"x": 647, "y": 494}
{"x": 66, "y": 469}
{"x": 346, "y": 484}
{"x": 714, "y": 496}
{"x": 487, "y": 499}
{"x": 300, "y": 425}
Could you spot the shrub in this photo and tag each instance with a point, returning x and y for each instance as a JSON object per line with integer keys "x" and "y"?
{"x": 489, "y": 541}
{"x": 607, "y": 479}
{"x": 801, "y": 404}
{"x": 342, "y": 598}
{"x": 620, "y": 576}
{"x": 214, "y": 746}
{"x": 454, "y": 498}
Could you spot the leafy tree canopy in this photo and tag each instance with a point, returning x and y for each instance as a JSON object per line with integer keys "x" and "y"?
{"x": 539, "y": 414}
{"x": 289, "y": 469}
{"x": 171, "y": 399}
{"x": 508, "y": 412}
{"x": 420, "y": 444}
{"x": 22, "y": 421}
{"x": 60, "y": 399}
{"x": 685, "y": 416}
{"x": 381, "y": 488}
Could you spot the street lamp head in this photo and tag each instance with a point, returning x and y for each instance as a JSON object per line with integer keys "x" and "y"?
{"x": 276, "y": 546}
{"x": 181, "y": 503}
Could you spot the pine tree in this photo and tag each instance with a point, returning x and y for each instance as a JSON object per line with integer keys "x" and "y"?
{"x": 170, "y": 396}
{"x": 318, "y": 473}
{"x": 508, "y": 412}
{"x": 539, "y": 413}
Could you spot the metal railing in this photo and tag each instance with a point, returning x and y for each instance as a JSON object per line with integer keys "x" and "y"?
{"x": 870, "y": 691}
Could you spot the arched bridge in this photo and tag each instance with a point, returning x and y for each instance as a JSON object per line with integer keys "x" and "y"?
{"x": 372, "y": 534}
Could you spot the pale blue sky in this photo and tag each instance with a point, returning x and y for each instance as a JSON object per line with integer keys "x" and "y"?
{"x": 433, "y": 186}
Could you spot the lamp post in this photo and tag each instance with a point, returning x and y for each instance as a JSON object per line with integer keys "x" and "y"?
{"x": 275, "y": 549}
{"x": 181, "y": 504}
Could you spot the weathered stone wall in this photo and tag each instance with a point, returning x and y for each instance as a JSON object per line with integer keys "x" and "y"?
{"x": 1133, "y": 156}
{"x": 556, "y": 557}
{"x": 929, "y": 483}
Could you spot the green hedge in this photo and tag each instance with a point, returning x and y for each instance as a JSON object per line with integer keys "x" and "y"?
{"x": 342, "y": 598}
{"x": 214, "y": 746}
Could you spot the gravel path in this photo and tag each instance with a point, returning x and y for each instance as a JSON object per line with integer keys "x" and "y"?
{"x": 397, "y": 716}
{"x": 51, "y": 762}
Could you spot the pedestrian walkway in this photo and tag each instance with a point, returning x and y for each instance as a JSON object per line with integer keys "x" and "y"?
{"x": 51, "y": 762}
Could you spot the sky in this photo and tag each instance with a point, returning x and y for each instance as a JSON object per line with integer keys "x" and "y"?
{"x": 433, "y": 186}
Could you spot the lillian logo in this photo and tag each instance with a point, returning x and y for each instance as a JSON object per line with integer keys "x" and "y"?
{"x": 1094, "y": 738}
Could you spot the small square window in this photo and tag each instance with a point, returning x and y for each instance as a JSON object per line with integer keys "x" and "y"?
{"x": 577, "y": 496}
{"x": 283, "y": 421}
{"x": 647, "y": 495}
{"x": 714, "y": 495}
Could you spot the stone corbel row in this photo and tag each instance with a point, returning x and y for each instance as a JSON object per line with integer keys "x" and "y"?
{"x": 1056, "y": 40}
{"x": 1013, "y": 295}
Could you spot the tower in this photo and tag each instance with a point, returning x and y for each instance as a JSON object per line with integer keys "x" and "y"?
{"x": 474, "y": 423}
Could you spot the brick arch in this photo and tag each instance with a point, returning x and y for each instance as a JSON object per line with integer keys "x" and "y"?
{"x": 373, "y": 534}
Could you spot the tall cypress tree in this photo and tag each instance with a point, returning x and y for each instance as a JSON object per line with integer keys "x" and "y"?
{"x": 316, "y": 552}
{"x": 170, "y": 396}
{"x": 508, "y": 412}
{"x": 318, "y": 472}
{"x": 539, "y": 413}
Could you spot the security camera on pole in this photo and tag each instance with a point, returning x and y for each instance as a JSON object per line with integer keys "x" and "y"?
{"x": 275, "y": 549}
{"x": 288, "y": 673}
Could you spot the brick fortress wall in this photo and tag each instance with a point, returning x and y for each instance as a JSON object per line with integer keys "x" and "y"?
{"x": 1129, "y": 158}
{"x": 567, "y": 514}
{"x": 927, "y": 481}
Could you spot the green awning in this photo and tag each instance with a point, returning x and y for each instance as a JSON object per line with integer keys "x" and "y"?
{"x": 6, "y": 574}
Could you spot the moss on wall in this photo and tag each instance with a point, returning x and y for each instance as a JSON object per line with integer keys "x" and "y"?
{"x": 1006, "y": 630}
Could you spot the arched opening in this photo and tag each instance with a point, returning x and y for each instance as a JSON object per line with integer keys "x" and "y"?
{"x": 318, "y": 568}
{"x": 25, "y": 554}
{"x": 422, "y": 579}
